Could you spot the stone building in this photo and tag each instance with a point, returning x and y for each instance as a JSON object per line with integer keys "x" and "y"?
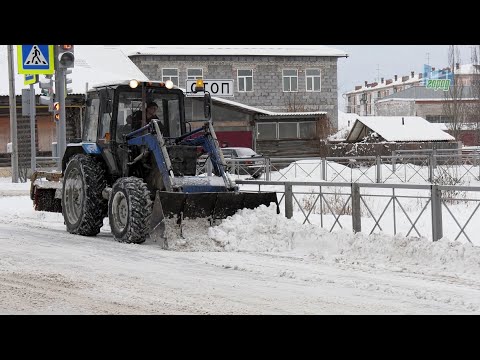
{"x": 274, "y": 78}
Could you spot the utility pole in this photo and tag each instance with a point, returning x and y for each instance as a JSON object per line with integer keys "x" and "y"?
{"x": 64, "y": 59}
{"x": 33, "y": 149}
{"x": 13, "y": 115}
{"x": 61, "y": 123}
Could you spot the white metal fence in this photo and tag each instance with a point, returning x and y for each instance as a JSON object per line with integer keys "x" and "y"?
{"x": 430, "y": 211}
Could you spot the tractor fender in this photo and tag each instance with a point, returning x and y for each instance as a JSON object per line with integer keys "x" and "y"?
{"x": 79, "y": 148}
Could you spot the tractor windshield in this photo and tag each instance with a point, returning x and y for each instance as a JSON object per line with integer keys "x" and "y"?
{"x": 168, "y": 110}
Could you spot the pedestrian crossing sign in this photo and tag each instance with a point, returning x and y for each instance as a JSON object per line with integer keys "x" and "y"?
{"x": 35, "y": 59}
{"x": 30, "y": 79}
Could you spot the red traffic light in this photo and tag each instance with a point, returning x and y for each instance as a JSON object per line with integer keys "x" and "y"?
{"x": 65, "y": 55}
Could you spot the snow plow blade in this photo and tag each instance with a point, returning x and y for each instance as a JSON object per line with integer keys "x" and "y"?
{"x": 214, "y": 205}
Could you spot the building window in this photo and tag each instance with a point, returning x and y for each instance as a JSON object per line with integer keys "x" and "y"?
{"x": 194, "y": 74}
{"x": 439, "y": 118}
{"x": 312, "y": 79}
{"x": 287, "y": 130}
{"x": 170, "y": 74}
{"x": 307, "y": 130}
{"x": 245, "y": 80}
{"x": 290, "y": 80}
{"x": 267, "y": 131}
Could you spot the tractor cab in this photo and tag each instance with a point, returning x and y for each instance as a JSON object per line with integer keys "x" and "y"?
{"x": 117, "y": 112}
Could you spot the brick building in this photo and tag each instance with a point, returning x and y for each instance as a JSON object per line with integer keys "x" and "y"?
{"x": 293, "y": 79}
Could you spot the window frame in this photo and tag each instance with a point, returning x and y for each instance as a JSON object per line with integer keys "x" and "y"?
{"x": 290, "y": 80}
{"x": 319, "y": 76}
{"x": 277, "y": 129}
{"x": 244, "y": 78}
{"x": 194, "y": 77}
{"x": 169, "y": 77}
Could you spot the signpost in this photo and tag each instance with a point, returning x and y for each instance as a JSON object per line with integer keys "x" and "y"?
{"x": 35, "y": 59}
{"x": 215, "y": 87}
{"x": 30, "y": 79}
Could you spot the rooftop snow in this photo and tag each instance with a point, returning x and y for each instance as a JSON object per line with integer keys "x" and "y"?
{"x": 414, "y": 128}
{"x": 258, "y": 50}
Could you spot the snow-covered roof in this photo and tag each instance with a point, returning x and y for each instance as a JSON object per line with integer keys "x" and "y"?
{"x": 345, "y": 123}
{"x": 266, "y": 112}
{"x": 259, "y": 50}
{"x": 421, "y": 93}
{"x": 410, "y": 81}
{"x": 399, "y": 128}
{"x": 94, "y": 64}
{"x": 468, "y": 69}
{"x": 346, "y": 119}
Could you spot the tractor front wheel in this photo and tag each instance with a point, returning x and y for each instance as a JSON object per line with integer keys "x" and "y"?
{"x": 129, "y": 210}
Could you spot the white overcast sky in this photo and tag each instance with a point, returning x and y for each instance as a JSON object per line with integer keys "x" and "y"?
{"x": 371, "y": 62}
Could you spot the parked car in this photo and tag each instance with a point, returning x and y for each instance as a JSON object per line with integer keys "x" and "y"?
{"x": 250, "y": 163}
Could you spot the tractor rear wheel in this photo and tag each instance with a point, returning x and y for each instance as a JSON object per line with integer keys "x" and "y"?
{"x": 83, "y": 206}
{"x": 129, "y": 210}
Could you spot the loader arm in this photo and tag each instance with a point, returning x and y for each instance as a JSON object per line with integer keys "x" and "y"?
{"x": 156, "y": 145}
{"x": 209, "y": 143}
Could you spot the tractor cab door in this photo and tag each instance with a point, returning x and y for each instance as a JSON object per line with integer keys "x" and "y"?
{"x": 91, "y": 118}
{"x": 105, "y": 129}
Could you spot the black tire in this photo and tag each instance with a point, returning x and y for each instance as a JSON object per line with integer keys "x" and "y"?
{"x": 83, "y": 206}
{"x": 129, "y": 210}
{"x": 44, "y": 200}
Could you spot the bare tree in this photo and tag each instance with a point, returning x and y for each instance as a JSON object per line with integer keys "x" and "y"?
{"x": 453, "y": 107}
{"x": 292, "y": 103}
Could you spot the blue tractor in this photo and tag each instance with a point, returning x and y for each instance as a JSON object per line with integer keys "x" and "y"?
{"x": 139, "y": 177}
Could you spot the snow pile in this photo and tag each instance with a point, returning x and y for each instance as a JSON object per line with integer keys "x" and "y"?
{"x": 7, "y": 188}
{"x": 262, "y": 230}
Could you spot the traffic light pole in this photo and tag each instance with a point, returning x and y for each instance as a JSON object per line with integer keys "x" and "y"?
{"x": 62, "y": 129}
{"x": 13, "y": 115}
{"x": 33, "y": 148}
{"x": 60, "y": 97}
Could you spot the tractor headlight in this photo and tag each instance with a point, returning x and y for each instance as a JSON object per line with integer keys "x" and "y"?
{"x": 133, "y": 83}
{"x": 169, "y": 84}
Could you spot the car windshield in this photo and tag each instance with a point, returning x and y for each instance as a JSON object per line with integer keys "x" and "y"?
{"x": 246, "y": 152}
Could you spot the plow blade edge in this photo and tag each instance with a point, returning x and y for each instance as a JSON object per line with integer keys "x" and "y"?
{"x": 215, "y": 205}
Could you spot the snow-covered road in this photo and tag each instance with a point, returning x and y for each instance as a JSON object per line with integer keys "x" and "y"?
{"x": 255, "y": 262}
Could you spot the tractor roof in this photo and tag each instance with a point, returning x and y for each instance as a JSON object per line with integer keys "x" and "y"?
{"x": 115, "y": 84}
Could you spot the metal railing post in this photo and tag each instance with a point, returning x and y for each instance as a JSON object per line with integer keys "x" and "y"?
{"x": 430, "y": 168}
{"x": 356, "y": 216}
{"x": 288, "y": 201}
{"x": 437, "y": 226}
{"x": 209, "y": 167}
{"x": 324, "y": 169}
{"x": 268, "y": 164}
{"x": 379, "y": 170}
{"x": 394, "y": 165}
{"x": 477, "y": 161}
